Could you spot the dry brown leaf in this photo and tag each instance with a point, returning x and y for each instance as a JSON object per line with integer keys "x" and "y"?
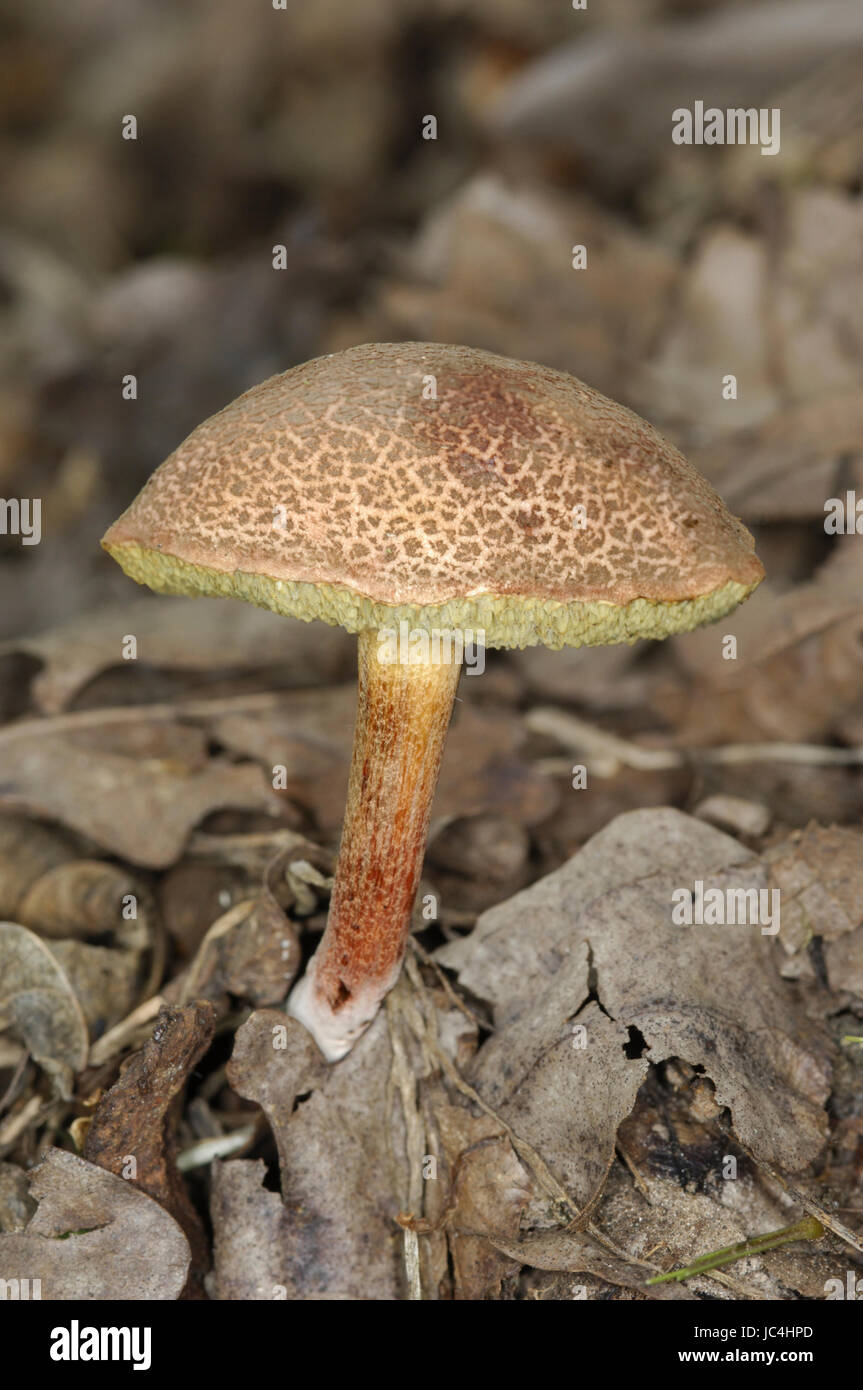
{"x": 27, "y": 851}
{"x": 254, "y": 1234}
{"x": 139, "y": 809}
{"x": 669, "y": 1224}
{"x": 816, "y": 290}
{"x": 131, "y": 1131}
{"x": 674, "y": 984}
{"x": 603, "y": 678}
{"x": 186, "y": 635}
{"x": 560, "y": 1076}
{"x": 715, "y": 331}
{"x": 89, "y": 899}
{"x": 492, "y": 848}
{"x": 16, "y": 1204}
{"x": 84, "y": 898}
{"x": 38, "y": 1004}
{"x": 253, "y": 949}
{"x": 481, "y": 1191}
{"x": 118, "y": 1243}
{"x": 107, "y": 980}
{"x": 565, "y": 1250}
{"x": 787, "y": 467}
{"x": 799, "y": 665}
{"x": 799, "y": 344}
{"x": 307, "y": 734}
{"x": 342, "y": 1240}
{"x": 569, "y": 99}
{"x": 844, "y": 962}
{"x": 820, "y": 875}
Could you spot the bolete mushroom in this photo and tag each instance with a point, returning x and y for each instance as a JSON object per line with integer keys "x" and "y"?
{"x": 417, "y": 494}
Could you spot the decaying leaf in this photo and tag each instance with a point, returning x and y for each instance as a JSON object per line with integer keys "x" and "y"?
{"x": 27, "y": 851}
{"x": 38, "y": 1003}
{"x": 16, "y": 1204}
{"x": 787, "y": 467}
{"x": 799, "y": 666}
{"x": 844, "y": 962}
{"x": 670, "y": 984}
{"x": 666, "y": 1224}
{"x": 95, "y": 1237}
{"x": 188, "y": 635}
{"x": 561, "y": 1078}
{"x": 84, "y": 898}
{"x": 254, "y": 1235}
{"x": 342, "y": 1240}
{"x": 576, "y": 1254}
{"x": 131, "y": 1132}
{"x": 140, "y": 809}
{"x": 570, "y": 98}
{"x": 484, "y": 1189}
{"x": 253, "y": 949}
{"x": 100, "y": 924}
{"x": 819, "y": 873}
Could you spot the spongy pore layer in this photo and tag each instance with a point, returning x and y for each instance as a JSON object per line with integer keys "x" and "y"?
{"x": 446, "y": 486}
{"x": 501, "y": 620}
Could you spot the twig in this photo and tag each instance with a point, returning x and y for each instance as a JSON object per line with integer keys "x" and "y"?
{"x": 403, "y": 1081}
{"x": 217, "y": 1146}
{"x": 808, "y": 1228}
{"x": 608, "y": 752}
{"x": 132, "y": 714}
{"x": 636, "y": 1176}
{"x": 116, "y": 1038}
{"x": 9, "y": 1094}
{"x": 447, "y": 987}
{"x": 802, "y": 1198}
{"x": 15, "y": 1124}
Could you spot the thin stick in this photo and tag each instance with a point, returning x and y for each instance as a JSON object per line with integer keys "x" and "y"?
{"x": 610, "y": 752}
{"x": 131, "y": 714}
{"x": 808, "y": 1228}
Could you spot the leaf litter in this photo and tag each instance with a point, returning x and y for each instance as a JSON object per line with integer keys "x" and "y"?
{"x": 554, "y": 1098}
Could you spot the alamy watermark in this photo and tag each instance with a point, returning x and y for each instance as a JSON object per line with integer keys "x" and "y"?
{"x": 436, "y": 646}
{"x": 21, "y": 516}
{"x": 737, "y": 125}
{"x": 20, "y": 1290}
{"x": 77, "y": 1343}
{"x": 719, "y": 907}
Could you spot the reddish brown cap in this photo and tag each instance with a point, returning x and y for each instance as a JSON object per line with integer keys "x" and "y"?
{"x": 443, "y": 485}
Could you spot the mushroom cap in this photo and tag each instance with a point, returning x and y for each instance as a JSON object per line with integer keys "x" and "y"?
{"x": 445, "y": 486}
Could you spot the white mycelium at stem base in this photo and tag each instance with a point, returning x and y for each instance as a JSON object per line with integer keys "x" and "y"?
{"x": 402, "y": 719}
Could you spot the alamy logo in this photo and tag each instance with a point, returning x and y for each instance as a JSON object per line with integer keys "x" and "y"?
{"x": 852, "y": 1289}
{"x": 410, "y": 646}
{"x": 77, "y": 1343}
{"x": 737, "y": 125}
{"x": 21, "y": 516}
{"x": 717, "y": 907}
{"x": 19, "y": 1290}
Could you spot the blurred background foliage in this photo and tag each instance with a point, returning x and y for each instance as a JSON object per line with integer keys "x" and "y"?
{"x": 304, "y": 127}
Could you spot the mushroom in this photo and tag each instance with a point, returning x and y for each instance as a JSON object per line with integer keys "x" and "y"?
{"x": 419, "y": 495}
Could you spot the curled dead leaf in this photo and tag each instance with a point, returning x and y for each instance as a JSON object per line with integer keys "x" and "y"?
{"x": 131, "y": 1133}
{"x": 139, "y": 809}
{"x": 38, "y": 1004}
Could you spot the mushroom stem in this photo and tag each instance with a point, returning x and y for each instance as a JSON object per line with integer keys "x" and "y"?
{"x": 403, "y": 715}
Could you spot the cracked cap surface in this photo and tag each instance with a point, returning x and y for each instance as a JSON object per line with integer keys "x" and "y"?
{"x": 446, "y": 486}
